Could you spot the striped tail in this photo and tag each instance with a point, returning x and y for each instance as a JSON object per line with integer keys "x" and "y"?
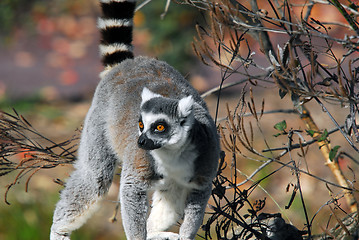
{"x": 116, "y": 26}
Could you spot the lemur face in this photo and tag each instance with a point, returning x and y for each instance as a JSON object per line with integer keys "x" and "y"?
{"x": 164, "y": 123}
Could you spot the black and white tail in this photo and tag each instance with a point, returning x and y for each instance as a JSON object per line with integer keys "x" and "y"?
{"x": 116, "y": 26}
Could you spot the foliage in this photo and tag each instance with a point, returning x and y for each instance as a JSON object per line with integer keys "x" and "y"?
{"x": 22, "y": 105}
{"x": 12, "y": 13}
{"x": 286, "y": 46}
{"x": 18, "y": 137}
{"x": 171, "y": 31}
{"x": 29, "y": 215}
{"x": 15, "y": 14}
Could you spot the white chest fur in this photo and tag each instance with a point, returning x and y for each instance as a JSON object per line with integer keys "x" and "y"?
{"x": 176, "y": 165}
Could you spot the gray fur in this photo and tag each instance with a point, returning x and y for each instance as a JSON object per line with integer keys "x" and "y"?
{"x": 109, "y": 138}
{"x": 161, "y": 105}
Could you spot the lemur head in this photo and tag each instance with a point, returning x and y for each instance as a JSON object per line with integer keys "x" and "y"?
{"x": 164, "y": 122}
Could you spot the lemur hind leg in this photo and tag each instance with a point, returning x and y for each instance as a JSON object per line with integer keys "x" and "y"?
{"x": 167, "y": 208}
{"x": 87, "y": 185}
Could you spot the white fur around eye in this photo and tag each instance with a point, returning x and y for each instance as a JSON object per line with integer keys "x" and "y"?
{"x": 147, "y": 95}
{"x": 185, "y": 106}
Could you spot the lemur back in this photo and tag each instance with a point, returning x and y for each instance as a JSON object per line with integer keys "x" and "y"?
{"x": 145, "y": 116}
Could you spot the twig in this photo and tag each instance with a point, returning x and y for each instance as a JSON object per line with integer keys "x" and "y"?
{"x": 304, "y": 144}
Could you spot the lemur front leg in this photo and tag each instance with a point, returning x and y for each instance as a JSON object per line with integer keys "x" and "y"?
{"x": 86, "y": 186}
{"x": 133, "y": 200}
{"x": 167, "y": 208}
{"x": 193, "y": 212}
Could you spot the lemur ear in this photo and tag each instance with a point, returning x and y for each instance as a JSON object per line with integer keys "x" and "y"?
{"x": 185, "y": 106}
{"x": 147, "y": 95}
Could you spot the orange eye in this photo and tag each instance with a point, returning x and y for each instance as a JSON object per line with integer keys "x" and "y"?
{"x": 160, "y": 128}
{"x": 140, "y": 125}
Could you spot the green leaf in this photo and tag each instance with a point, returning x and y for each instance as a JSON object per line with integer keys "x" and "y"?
{"x": 310, "y": 132}
{"x": 281, "y": 126}
{"x": 324, "y": 136}
{"x": 333, "y": 152}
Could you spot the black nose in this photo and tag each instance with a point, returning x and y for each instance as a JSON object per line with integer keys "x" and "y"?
{"x": 145, "y": 143}
{"x": 141, "y": 141}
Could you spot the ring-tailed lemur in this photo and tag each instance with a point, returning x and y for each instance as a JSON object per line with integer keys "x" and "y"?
{"x": 145, "y": 116}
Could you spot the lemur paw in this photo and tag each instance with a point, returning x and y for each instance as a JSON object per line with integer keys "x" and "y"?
{"x": 163, "y": 236}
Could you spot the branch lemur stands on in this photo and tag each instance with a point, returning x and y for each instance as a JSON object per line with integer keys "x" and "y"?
{"x": 146, "y": 117}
